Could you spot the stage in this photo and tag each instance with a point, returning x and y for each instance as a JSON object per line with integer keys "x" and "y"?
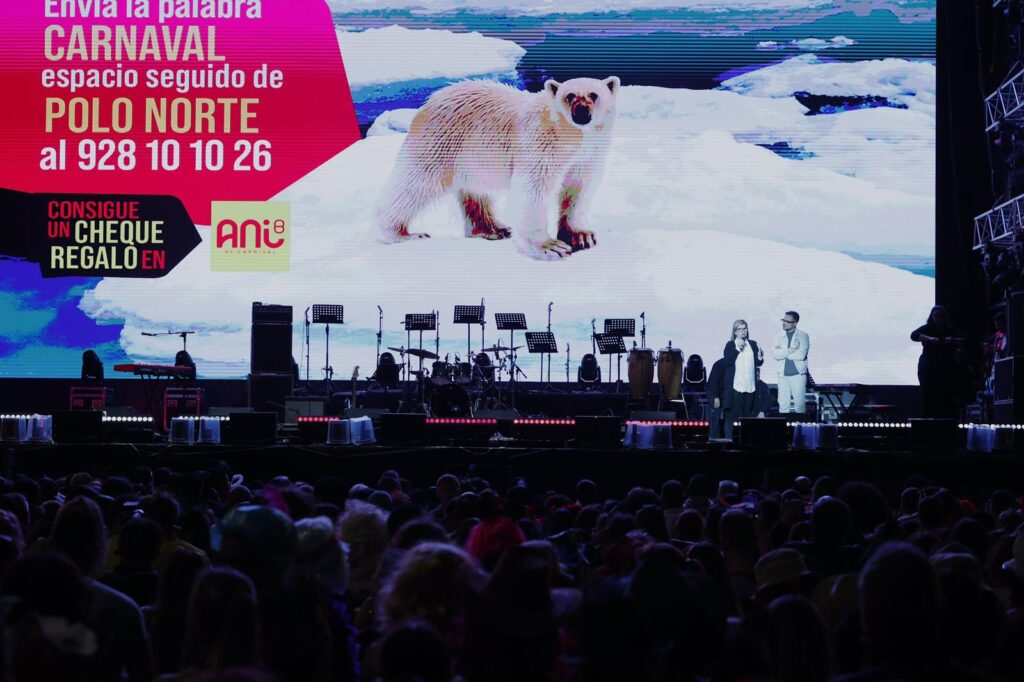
{"x": 555, "y": 436}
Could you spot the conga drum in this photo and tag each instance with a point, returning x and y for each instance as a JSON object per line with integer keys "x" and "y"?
{"x": 670, "y": 372}
{"x": 641, "y": 372}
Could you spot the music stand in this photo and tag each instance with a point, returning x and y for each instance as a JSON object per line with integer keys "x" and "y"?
{"x": 610, "y": 344}
{"x": 328, "y": 314}
{"x": 419, "y": 322}
{"x": 543, "y": 343}
{"x": 512, "y": 322}
{"x": 618, "y": 326}
{"x": 467, "y": 315}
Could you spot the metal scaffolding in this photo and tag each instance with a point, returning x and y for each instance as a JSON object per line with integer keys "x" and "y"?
{"x": 1006, "y": 103}
{"x": 1000, "y": 223}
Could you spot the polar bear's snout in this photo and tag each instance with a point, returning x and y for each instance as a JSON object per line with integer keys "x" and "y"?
{"x": 582, "y": 115}
{"x": 582, "y": 107}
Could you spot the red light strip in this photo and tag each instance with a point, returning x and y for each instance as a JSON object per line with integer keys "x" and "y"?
{"x": 545, "y": 422}
{"x": 464, "y": 422}
{"x": 696, "y": 424}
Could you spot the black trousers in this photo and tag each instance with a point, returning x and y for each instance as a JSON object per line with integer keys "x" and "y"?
{"x": 742, "y": 406}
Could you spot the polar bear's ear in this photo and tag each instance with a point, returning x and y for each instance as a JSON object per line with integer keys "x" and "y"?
{"x": 551, "y": 87}
{"x": 612, "y": 82}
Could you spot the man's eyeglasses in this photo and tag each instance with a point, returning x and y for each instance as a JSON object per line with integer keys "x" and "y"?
{"x": 789, "y": 321}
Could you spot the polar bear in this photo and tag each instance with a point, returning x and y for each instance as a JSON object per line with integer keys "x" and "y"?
{"x": 476, "y": 137}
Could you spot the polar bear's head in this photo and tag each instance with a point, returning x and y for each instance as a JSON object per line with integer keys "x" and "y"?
{"x": 585, "y": 102}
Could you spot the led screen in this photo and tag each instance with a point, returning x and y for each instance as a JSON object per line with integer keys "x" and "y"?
{"x": 695, "y": 162}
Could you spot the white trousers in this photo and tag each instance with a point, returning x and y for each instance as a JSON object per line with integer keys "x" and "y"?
{"x": 792, "y": 389}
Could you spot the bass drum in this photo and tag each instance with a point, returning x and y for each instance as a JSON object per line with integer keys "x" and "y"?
{"x": 670, "y": 372}
{"x": 641, "y": 372}
{"x": 450, "y": 400}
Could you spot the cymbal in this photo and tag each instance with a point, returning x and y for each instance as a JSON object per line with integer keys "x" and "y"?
{"x": 499, "y": 349}
{"x": 425, "y": 354}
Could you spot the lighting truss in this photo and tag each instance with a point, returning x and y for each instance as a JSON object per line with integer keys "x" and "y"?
{"x": 1001, "y": 222}
{"x": 1006, "y": 103}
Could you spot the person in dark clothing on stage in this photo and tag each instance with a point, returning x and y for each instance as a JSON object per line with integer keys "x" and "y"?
{"x": 742, "y": 358}
{"x": 762, "y": 399}
{"x": 715, "y": 391}
{"x": 936, "y": 370}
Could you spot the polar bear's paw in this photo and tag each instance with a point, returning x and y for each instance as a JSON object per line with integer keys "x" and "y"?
{"x": 492, "y": 233}
{"x": 402, "y": 236}
{"x": 549, "y": 249}
{"x": 576, "y": 239}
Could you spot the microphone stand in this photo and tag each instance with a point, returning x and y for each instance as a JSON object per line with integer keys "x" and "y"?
{"x": 437, "y": 333}
{"x": 307, "y": 350}
{"x": 567, "y": 365}
{"x": 380, "y": 331}
{"x": 548, "y": 354}
{"x": 643, "y": 330}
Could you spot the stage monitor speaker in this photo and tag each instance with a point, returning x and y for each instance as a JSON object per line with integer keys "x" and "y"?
{"x": 268, "y": 391}
{"x": 500, "y": 415}
{"x": 1008, "y": 411}
{"x": 1008, "y": 378}
{"x": 600, "y": 430}
{"x": 402, "y": 428}
{"x": 252, "y": 428}
{"x": 763, "y": 433}
{"x": 221, "y": 411}
{"x": 935, "y": 435}
{"x": 374, "y": 413}
{"x": 271, "y": 348}
{"x": 652, "y": 416}
{"x": 78, "y": 426}
{"x": 300, "y": 406}
{"x": 1015, "y": 324}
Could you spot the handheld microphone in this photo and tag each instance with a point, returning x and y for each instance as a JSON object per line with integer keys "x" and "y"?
{"x": 380, "y": 310}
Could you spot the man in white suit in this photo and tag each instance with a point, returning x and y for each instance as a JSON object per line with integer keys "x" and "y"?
{"x": 790, "y": 352}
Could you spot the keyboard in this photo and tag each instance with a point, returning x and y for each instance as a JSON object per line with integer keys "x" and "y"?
{"x": 170, "y": 371}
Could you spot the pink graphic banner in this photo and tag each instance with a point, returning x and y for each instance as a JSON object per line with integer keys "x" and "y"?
{"x": 205, "y": 100}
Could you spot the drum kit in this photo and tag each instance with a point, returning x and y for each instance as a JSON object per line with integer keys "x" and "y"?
{"x": 456, "y": 389}
{"x": 475, "y": 381}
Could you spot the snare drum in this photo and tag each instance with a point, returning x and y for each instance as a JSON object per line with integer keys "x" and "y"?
{"x": 440, "y": 373}
{"x": 670, "y": 372}
{"x": 641, "y": 372}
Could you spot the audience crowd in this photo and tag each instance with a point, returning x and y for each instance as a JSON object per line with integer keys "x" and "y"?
{"x": 205, "y": 575}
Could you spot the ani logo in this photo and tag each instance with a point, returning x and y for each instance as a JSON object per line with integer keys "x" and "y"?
{"x": 250, "y": 236}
